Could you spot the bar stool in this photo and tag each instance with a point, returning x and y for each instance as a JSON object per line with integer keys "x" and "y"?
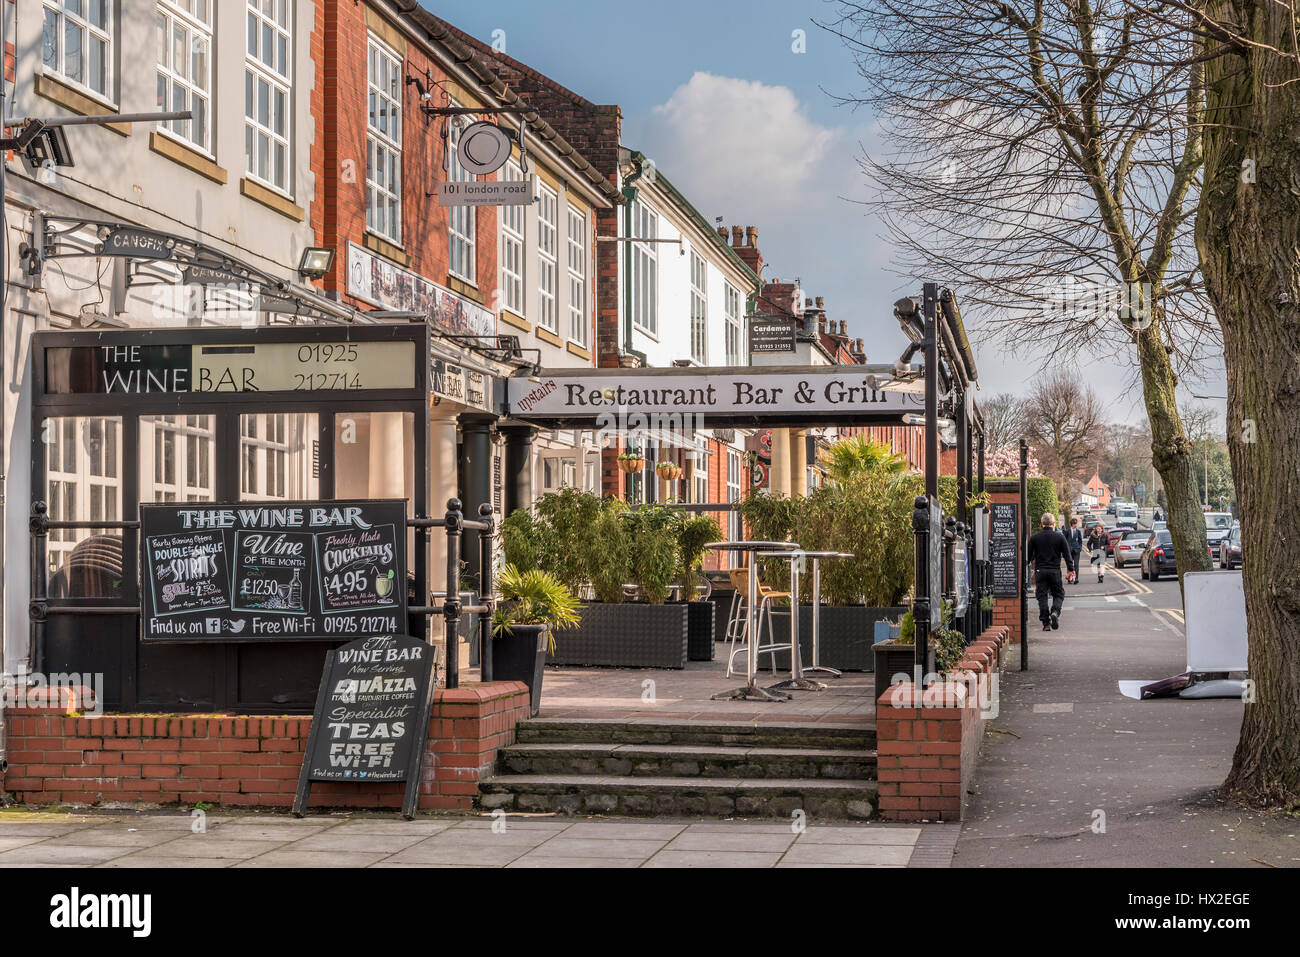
{"x": 738, "y": 623}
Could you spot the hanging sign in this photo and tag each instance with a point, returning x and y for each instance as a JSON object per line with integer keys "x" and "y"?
{"x": 771, "y": 335}
{"x": 287, "y": 571}
{"x": 506, "y": 192}
{"x": 1004, "y": 549}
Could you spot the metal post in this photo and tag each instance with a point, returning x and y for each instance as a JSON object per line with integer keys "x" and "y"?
{"x": 1024, "y": 539}
{"x": 39, "y": 524}
{"x": 451, "y": 601}
{"x": 921, "y": 598}
{"x": 930, "y": 305}
{"x": 486, "y": 590}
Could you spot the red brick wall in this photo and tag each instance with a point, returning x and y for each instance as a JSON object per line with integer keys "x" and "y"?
{"x": 229, "y": 760}
{"x": 928, "y": 743}
{"x": 338, "y": 158}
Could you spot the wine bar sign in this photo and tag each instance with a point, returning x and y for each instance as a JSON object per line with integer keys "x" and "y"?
{"x": 282, "y": 571}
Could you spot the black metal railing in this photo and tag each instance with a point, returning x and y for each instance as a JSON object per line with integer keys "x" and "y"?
{"x": 39, "y": 609}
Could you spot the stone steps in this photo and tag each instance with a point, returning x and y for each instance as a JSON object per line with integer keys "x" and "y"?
{"x": 679, "y": 796}
{"x": 666, "y": 731}
{"x": 686, "y": 768}
{"x": 686, "y": 760}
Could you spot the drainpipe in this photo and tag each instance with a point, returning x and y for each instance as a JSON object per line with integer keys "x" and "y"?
{"x": 630, "y": 193}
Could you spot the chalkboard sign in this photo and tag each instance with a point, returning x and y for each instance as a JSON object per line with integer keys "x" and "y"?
{"x": 372, "y": 716}
{"x": 1004, "y": 549}
{"x": 282, "y": 571}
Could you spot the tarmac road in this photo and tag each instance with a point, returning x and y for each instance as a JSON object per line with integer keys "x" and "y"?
{"x": 1074, "y": 774}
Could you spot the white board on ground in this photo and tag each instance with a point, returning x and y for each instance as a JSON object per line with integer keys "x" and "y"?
{"x": 1215, "y": 608}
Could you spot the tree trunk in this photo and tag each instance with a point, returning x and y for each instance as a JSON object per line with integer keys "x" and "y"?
{"x": 1171, "y": 452}
{"x": 1248, "y": 234}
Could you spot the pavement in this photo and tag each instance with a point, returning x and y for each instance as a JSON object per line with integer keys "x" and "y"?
{"x": 164, "y": 840}
{"x": 1074, "y": 774}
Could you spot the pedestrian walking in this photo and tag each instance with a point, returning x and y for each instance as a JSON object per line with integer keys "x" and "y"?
{"x": 1046, "y": 549}
{"x": 1075, "y": 540}
{"x": 1097, "y": 542}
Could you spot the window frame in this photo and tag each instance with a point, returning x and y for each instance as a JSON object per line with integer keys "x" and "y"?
{"x": 106, "y": 34}
{"x": 378, "y": 140}
{"x": 466, "y": 216}
{"x": 577, "y": 250}
{"x": 548, "y": 259}
{"x": 174, "y": 13}
{"x": 699, "y": 310}
{"x": 645, "y": 269}
{"x": 257, "y": 70}
{"x": 512, "y": 236}
{"x": 734, "y": 324}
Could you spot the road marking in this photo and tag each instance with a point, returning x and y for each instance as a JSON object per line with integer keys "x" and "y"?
{"x": 1112, "y": 599}
{"x": 1134, "y": 599}
{"x": 1174, "y": 613}
{"x": 1138, "y": 586}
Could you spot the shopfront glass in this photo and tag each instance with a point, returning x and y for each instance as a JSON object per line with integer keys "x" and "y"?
{"x": 83, "y": 482}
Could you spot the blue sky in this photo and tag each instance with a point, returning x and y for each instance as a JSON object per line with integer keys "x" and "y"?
{"x": 713, "y": 91}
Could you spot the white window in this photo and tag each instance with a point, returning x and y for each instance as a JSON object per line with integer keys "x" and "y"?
{"x": 176, "y": 458}
{"x": 76, "y": 42}
{"x": 699, "y": 309}
{"x": 461, "y": 219}
{"x": 700, "y": 478}
{"x": 577, "y": 244}
{"x": 83, "y": 469}
{"x": 384, "y": 142}
{"x": 735, "y": 469}
{"x": 278, "y": 457}
{"x": 184, "y": 31}
{"x": 547, "y": 210}
{"x": 268, "y": 83}
{"x": 512, "y": 247}
{"x": 735, "y": 328}
{"x": 645, "y": 267}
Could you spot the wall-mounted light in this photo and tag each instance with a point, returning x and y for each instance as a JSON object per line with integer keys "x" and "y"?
{"x": 316, "y": 263}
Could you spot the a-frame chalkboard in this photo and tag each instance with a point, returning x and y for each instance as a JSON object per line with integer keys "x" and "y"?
{"x": 371, "y": 722}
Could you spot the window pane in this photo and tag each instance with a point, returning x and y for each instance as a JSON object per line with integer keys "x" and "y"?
{"x": 82, "y": 469}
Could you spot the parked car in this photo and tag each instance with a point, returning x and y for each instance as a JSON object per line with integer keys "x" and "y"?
{"x": 1158, "y": 556}
{"x": 1130, "y": 548}
{"x": 1110, "y": 509}
{"x": 1113, "y": 536}
{"x": 1230, "y": 548}
{"x": 1159, "y": 526}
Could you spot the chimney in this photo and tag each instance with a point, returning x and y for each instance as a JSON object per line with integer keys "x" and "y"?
{"x": 844, "y": 328}
{"x": 722, "y": 231}
{"x": 751, "y": 235}
{"x": 821, "y": 302}
{"x": 748, "y": 251}
{"x": 821, "y": 325}
{"x": 737, "y": 236}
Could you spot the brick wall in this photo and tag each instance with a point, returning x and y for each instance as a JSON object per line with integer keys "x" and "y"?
{"x": 59, "y": 756}
{"x": 928, "y": 742}
{"x": 338, "y": 160}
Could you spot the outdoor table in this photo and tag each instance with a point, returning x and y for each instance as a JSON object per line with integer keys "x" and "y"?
{"x": 751, "y": 690}
{"x": 817, "y": 609}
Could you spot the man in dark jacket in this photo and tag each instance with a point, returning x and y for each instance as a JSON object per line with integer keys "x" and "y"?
{"x": 1046, "y": 549}
{"x": 1074, "y": 537}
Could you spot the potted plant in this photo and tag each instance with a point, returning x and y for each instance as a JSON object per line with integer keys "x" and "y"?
{"x": 668, "y": 471}
{"x": 631, "y": 462}
{"x": 533, "y": 603}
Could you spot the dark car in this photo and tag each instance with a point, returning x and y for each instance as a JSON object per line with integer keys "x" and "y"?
{"x": 1158, "y": 559}
{"x": 1230, "y": 549}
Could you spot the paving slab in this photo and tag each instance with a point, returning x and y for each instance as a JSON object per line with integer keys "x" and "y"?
{"x": 849, "y": 854}
{"x": 565, "y": 846}
{"x": 904, "y": 836}
{"x": 307, "y": 858}
{"x": 534, "y": 860}
{"x": 203, "y": 845}
{"x": 670, "y": 858}
{"x": 737, "y": 840}
{"x": 71, "y": 854}
{"x": 332, "y": 840}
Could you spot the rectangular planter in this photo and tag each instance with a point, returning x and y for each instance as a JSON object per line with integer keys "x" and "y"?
{"x": 625, "y": 635}
{"x": 700, "y": 619}
{"x": 847, "y": 635}
{"x": 721, "y": 600}
{"x": 892, "y": 659}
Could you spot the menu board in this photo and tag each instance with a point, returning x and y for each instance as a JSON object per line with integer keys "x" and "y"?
{"x": 372, "y": 716}
{"x": 1004, "y": 549}
{"x": 280, "y": 571}
{"x": 369, "y": 701}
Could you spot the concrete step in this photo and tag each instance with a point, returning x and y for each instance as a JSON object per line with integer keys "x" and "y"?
{"x": 809, "y": 734}
{"x": 679, "y": 796}
{"x": 689, "y": 760}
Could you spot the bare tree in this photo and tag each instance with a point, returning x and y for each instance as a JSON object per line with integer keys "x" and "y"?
{"x": 1004, "y": 420}
{"x": 1246, "y": 230}
{"x": 1063, "y": 420}
{"x": 1044, "y": 159}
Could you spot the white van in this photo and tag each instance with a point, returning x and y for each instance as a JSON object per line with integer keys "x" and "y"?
{"x": 1126, "y": 515}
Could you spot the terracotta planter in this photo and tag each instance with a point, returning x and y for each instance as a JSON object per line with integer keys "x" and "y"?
{"x": 631, "y": 465}
{"x": 670, "y": 473}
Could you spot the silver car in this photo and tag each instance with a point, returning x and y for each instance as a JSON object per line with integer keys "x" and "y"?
{"x": 1130, "y": 548}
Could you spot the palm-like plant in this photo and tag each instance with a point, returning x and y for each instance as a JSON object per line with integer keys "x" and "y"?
{"x": 533, "y": 597}
{"x": 856, "y": 454}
